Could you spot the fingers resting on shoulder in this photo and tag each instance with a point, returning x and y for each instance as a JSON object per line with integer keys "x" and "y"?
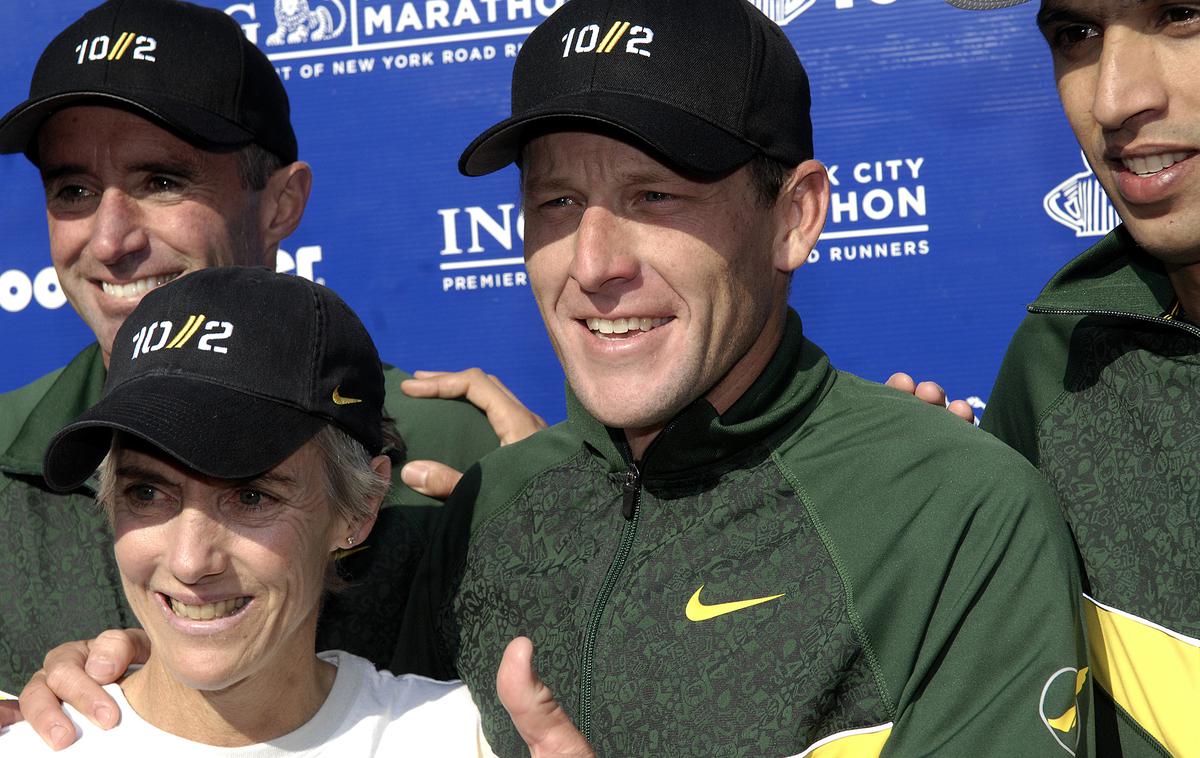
{"x": 74, "y": 672}
{"x": 932, "y": 393}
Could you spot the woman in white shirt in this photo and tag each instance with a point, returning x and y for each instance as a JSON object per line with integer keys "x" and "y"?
{"x": 234, "y": 471}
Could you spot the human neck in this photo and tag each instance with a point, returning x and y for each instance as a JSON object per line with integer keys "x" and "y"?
{"x": 267, "y": 705}
{"x": 730, "y": 388}
{"x": 1186, "y": 281}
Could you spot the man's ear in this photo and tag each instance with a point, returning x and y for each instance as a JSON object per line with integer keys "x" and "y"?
{"x": 283, "y": 202}
{"x": 803, "y": 203}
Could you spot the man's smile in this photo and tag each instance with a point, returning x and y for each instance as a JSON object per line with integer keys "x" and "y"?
{"x": 625, "y": 325}
{"x": 137, "y": 287}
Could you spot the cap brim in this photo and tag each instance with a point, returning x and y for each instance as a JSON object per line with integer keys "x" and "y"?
{"x": 217, "y": 431}
{"x": 684, "y": 140}
{"x": 985, "y": 5}
{"x": 196, "y": 125}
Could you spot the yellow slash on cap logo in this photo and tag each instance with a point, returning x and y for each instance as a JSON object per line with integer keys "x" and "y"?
{"x": 698, "y": 611}
{"x": 341, "y": 400}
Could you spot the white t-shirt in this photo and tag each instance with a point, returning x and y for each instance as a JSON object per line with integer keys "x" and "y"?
{"x": 367, "y": 712}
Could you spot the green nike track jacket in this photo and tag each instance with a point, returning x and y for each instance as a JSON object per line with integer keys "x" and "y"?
{"x": 1101, "y": 390}
{"x": 828, "y": 568}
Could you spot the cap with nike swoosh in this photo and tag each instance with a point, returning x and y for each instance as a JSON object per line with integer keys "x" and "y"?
{"x": 229, "y": 370}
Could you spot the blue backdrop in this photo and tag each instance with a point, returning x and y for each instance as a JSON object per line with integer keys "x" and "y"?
{"x": 958, "y": 188}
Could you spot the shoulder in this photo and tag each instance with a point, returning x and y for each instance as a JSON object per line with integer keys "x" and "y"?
{"x": 16, "y": 405}
{"x": 20, "y": 739}
{"x": 450, "y": 431}
{"x": 868, "y": 451}
{"x": 414, "y": 714}
{"x": 860, "y": 417}
{"x": 383, "y": 692}
{"x": 50, "y": 400}
{"x": 505, "y": 473}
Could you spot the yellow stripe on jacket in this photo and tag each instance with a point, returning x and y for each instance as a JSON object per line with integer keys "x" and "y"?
{"x": 1150, "y": 671}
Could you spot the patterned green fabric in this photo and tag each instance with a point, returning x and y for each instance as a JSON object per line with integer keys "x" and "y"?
{"x": 1103, "y": 394}
{"x": 910, "y": 589}
{"x": 58, "y": 578}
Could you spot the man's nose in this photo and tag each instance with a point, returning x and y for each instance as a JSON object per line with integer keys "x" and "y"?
{"x": 1129, "y": 81}
{"x": 601, "y": 254}
{"x": 118, "y": 228}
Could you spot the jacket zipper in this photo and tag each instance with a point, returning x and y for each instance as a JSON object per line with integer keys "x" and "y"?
{"x": 631, "y": 490}
{"x": 1194, "y": 331}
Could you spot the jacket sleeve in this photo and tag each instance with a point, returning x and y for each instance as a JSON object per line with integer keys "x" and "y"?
{"x": 1000, "y": 668}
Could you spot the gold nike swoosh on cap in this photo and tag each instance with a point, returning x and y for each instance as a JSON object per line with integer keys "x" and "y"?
{"x": 341, "y": 399}
{"x": 698, "y": 611}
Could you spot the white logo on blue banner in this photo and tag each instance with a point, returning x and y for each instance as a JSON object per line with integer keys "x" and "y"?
{"x": 296, "y": 21}
{"x": 782, "y": 11}
{"x": 1080, "y": 204}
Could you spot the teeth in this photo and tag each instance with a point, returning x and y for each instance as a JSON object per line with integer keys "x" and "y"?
{"x": 208, "y": 610}
{"x": 624, "y": 325}
{"x": 133, "y": 289}
{"x": 1151, "y": 164}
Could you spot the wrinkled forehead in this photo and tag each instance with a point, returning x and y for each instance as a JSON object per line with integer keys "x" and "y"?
{"x": 599, "y": 151}
{"x": 96, "y": 127}
{"x": 1089, "y": 8}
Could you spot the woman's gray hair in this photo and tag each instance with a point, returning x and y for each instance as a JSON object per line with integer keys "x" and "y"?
{"x": 351, "y": 482}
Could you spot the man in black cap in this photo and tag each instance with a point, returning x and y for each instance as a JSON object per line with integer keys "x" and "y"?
{"x": 729, "y": 546}
{"x": 165, "y": 146}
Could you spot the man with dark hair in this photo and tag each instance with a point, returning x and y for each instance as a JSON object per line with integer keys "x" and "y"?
{"x": 730, "y": 546}
{"x": 1100, "y": 388}
{"x": 164, "y": 149}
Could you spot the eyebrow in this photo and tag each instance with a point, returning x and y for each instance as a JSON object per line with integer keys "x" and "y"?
{"x": 134, "y": 471}
{"x": 271, "y": 477}
{"x": 181, "y": 167}
{"x": 1057, "y": 11}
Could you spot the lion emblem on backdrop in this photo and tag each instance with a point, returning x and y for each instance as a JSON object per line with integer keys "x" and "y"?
{"x": 297, "y": 21}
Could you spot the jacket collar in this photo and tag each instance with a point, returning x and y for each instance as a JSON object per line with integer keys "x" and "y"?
{"x": 76, "y": 388}
{"x": 1114, "y": 275}
{"x": 778, "y": 401}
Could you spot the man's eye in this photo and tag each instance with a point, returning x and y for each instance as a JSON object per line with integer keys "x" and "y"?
{"x": 251, "y": 499}
{"x": 69, "y": 194}
{"x": 1180, "y": 14}
{"x": 1067, "y": 37}
{"x": 558, "y": 202}
{"x": 163, "y": 184}
{"x": 657, "y": 197}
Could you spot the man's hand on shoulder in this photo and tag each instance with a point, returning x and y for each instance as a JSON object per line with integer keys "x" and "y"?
{"x": 74, "y": 672}
{"x": 932, "y": 393}
{"x": 509, "y": 418}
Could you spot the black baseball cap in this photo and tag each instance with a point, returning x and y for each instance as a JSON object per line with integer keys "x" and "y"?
{"x": 229, "y": 371}
{"x": 706, "y": 86}
{"x": 188, "y": 68}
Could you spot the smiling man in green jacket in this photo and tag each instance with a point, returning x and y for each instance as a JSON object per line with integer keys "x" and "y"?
{"x": 730, "y": 547}
{"x": 1100, "y": 388}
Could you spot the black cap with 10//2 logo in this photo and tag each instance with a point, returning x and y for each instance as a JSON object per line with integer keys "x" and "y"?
{"x": 705, "y": 86}
{"x": 184, "y": 66}
{"x": 229, "y": 370}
